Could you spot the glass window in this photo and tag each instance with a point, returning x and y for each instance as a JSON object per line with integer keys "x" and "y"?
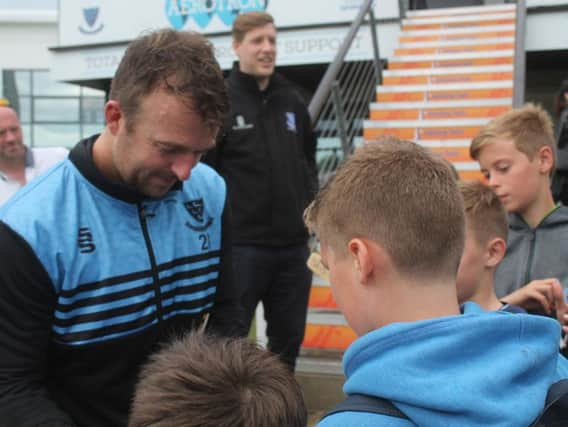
{"x": 50, "y": 135}
{"x": 90, "y": 130}
{"x": 44, "y": 85}
{"x": 23, "y": 82}
{"x": 92, "y": 110}
{"x": 25, "y": 109}
{"x": 56, "y": 110}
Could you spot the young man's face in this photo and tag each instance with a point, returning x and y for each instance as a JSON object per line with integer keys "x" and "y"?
{"x": 257, "y": 51}
{"x": 472, "y": 266}
{"x": 515, "y": 178}
{"x": 166, "y": 141}
{"x": 11, "y": 140}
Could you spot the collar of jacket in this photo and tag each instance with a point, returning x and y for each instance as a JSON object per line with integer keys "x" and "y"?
{"x": 248, "y": 81}
{"x": 82, "y": 157}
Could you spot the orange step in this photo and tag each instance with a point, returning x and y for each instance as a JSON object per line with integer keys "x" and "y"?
{"x": 430, "y": 133}
{"x": 447, "y": 78}
{"x": 448, "y": 25}
{"x": 321, "y": 297}
{"x": 471, "y": 62}
{"x": 453, "y": 49}
{"x": 471, "y": 176}
{"x": 445, "y": 95}
{"x": 456, "y": 37}
{"x": 439, "y": 113}
{"x": 330, "y": 337}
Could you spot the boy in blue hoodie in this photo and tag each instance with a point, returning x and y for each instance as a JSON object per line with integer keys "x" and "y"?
{"x": 391, "y": 229}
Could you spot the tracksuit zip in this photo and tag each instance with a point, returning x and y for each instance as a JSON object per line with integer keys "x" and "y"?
{"x": 155, "y": 277}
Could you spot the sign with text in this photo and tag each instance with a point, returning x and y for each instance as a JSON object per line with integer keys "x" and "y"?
{"x": 85, "y": 22}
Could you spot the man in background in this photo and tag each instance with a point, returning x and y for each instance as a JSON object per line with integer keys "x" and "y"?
{"x": 18, "y": 163}
{"x": 267, "y": 157}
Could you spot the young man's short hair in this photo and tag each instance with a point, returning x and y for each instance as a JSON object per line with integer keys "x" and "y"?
{"x": 529, "y": 127}
{"x": 485, "y": 214}
{"x": 403, "y": 197}
{"x": 245, "y": 22}
{"x": 181, "y": 63}
{"x": 211, "y": 381}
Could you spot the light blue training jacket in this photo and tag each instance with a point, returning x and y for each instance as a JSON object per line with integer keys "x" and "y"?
{"x": 476, "y": 369}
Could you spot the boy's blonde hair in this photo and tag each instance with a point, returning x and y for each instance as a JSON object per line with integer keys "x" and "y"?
{"x": 484, "y": 212}
{"x": 403, "y": 197}
{"x": 529, "y": 127}
{"x": 248, "y": 21}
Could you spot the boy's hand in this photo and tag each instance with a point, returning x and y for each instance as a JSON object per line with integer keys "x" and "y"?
{"x": 541, "y": 295}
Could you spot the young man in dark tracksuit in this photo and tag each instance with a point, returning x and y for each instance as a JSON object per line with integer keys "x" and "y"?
{"x": 267, "y": 157}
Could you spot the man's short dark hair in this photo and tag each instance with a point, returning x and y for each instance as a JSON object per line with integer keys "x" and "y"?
{"x": 208, "y": 381}
{"x": 181, "y": 63}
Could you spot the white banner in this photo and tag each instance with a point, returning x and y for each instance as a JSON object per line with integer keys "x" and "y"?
{"x": 83, "y": 22}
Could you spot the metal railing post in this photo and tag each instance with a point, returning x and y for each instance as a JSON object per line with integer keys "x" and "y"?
{"x": 401, "y": 10}
{"x": 340, "y": 116}
{"x": 322, "y": 92}
{"x": 520, "y": 54}
{"x": 376, "y": 57}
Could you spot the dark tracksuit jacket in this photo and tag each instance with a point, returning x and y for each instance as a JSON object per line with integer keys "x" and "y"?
{"x": 267, "y": 157}
{"x": 93, "y": 278}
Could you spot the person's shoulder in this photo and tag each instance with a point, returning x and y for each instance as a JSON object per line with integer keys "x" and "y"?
{"x": 362, "y": 419}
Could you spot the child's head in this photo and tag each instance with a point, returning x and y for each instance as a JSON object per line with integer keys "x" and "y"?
{"x": 516, "y": 152}
{"x": 485, "y": 237}
{"x": 210, "y": 381}
{"x": 395, "y": 196}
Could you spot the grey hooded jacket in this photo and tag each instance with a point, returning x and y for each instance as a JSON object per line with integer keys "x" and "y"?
{"x": 534, "y": 253}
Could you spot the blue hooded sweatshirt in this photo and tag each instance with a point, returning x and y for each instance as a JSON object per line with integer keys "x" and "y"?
{"x": 476, "y": 369}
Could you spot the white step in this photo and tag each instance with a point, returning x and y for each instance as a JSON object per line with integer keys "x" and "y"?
{"x": 461, "y": 30}
{"x": 448, "y": 70}
{"x": 466, "y": 166}
{"x": 453, "y": 56}
{"x": 326, "y": 317}
{"x": 457, "y": 43}
{"x": 498, "y": 84}
{"x": 406, "y": 105}
{"x": 460, "y": 10}
{"x": 459, "y": 19}
{"x": 391, "y": 124}
{"x": 443, "y": 143}
{"x": 317, "y": 365}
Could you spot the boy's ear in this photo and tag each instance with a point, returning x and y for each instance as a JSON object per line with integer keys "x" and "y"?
{"x": 545, "y": 158}
{"x": 495, "y": 252}
{"x": 368, "y": 258}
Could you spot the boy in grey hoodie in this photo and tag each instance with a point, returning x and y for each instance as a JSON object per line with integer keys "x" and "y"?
{"x": 516, "y": 152}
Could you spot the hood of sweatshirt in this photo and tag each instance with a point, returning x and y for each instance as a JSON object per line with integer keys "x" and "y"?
{"x": 476, "y": 369}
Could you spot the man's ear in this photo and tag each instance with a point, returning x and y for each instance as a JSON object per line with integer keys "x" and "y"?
{"x": 545, "y": 159}
{"x": 369, "y": 258}
{"x": 495, "y": 252}
{"x": 236, "y": 44}
{"x": 113, "y": 116}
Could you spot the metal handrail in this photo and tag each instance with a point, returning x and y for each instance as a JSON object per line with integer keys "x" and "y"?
{"x": 520, "y": 55}
{"x": 324, "y": 89}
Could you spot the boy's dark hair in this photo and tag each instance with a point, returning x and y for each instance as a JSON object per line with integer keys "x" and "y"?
{"x": 208, "y": 381}
{"x": 247, "y": 21}
{"x": 484, "y": 211}
{"x": 181, "y": 63}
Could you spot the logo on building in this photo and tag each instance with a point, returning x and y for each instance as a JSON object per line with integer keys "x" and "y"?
{"x": 91, "y": 24}
{"x": 203, "y": 11}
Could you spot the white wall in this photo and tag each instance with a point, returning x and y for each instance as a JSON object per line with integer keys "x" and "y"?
{"x": 25, "y": 45}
